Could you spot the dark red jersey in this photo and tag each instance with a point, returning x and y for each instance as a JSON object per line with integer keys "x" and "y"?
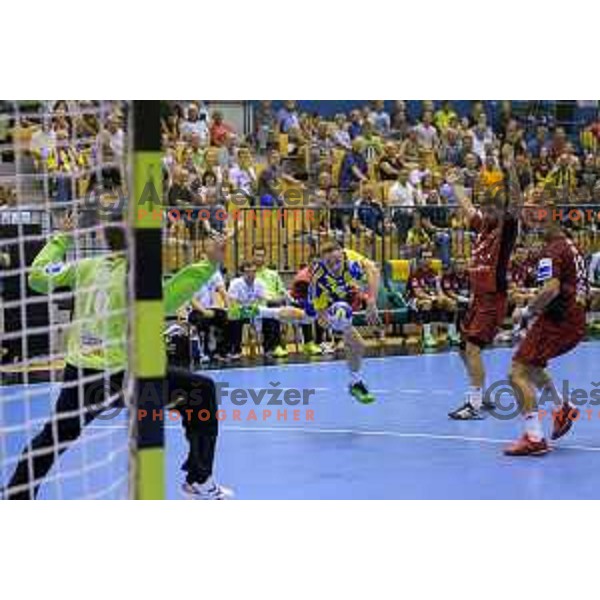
{"x": 560, "y": 259}
{"x": 453, "y": 283}
{"x": 423, "y": 279}
{"x": 491, "y": 252}
{"x": 561, "y": 326}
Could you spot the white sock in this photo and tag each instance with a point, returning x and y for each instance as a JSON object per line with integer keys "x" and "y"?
{"x": 451, "y": 329}
{"x": 356, "y": 377}
{"x": 533, "y": 426}
{"x": 427, "y": 329}
{"x": 475, "y": 396}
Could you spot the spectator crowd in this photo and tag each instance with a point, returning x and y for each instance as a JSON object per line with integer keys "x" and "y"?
{"x": 374, "y": 173}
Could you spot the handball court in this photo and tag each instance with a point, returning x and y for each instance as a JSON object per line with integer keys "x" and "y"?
{"x": 401, "y": 447}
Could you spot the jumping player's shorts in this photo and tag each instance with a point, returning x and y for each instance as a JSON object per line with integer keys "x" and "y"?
{"x": 483, "y": 318}
{"x": 547, "y": 339}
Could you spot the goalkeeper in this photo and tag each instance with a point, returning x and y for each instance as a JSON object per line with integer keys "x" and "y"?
{"x": 96, "y": 360}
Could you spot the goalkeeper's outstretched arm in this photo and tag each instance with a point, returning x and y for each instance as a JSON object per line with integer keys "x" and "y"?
{"x": 49, "y": 269}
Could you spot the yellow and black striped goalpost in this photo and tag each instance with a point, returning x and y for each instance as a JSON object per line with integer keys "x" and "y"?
{"x": 148, "y": 364}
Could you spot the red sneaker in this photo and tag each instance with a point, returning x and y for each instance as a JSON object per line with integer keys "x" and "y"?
{"x": 563, "y": 419}
{"x": 525, "y": 446}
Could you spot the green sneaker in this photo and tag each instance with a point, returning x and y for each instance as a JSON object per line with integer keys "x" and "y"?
{"x": 429, "y": 341}
{"x": 280, "y": 352}
{"x": 312, "y": 349}
{"x": 361, "y": 393}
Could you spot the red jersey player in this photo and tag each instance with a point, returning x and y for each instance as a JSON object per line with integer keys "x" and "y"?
{"x": 496, "y": 229}
{"x": 558, "y": 313}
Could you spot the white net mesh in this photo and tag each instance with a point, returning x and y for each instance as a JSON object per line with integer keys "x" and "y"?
{"x": 65, "y": 299}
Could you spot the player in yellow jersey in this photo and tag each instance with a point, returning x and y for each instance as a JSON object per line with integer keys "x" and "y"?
{"x": 338, "y": 276}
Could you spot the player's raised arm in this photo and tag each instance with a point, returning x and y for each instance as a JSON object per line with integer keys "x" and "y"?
{"x": 461, "y": 196}
{"x": 49, "y": 269}
{"x": 180, "y": 289}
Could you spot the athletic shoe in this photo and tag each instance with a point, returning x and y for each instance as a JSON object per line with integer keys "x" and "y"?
{"x": 429, "y": 341}
{"x": 525, "y": 446}
{"x": 466, "y": 412}
{"x": 563, "y": 419}
{"x": 312, "y": 349}
{"x": 279, "y": 352}
{"x": 209, "y": 490}
{"x": 487, "y": 404}
{"x": 361, "y": 393}
{"x": 454, "y": 339}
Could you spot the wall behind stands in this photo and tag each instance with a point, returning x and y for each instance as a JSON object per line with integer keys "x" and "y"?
{"x": 579, "y": 112}
{"x": 329, "y": 108}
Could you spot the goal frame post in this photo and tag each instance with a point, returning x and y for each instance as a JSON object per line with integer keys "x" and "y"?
{"x": 148, "y": 356}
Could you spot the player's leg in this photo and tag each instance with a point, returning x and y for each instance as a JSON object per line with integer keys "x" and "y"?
{"x": 523, "y": 377}
{"x": 219, "y": 326}
{"x": 234, "y": 333}
{"x": 310, "y": 347}
{"x": 71, "y": 413}
{"x": 195, "y": 399}
{"x": 470, "y": 353}
{"x": 271, "y": 330}
{"x": 424, "y": 318}
{"x": 355, "y": 348}
{"x": 478, "y": 328}
{"x": 564, "y": 414}
{"x": 546, "y": 339}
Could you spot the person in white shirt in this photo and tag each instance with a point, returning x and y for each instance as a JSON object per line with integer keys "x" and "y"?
{"x": 247, "y": 299}
{"x": 196, "y": 123}
{"x": 403, "y": 196}
{"x": 483, "y": 137}
{"x": 242, "y": 175}
{"x": 209, "y": 312}
{"x": 246, "y": 294}
{"x": 427, "y": 133}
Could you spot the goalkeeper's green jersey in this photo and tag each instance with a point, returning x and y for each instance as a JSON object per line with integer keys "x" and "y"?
{"x": 98, "y": 334}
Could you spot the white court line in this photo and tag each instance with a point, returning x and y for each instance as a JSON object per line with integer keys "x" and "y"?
{"x": 366, "y": 433}
{"x": 395, "y": 434}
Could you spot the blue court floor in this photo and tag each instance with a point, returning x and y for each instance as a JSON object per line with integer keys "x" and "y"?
{"x": 402, "y": 446}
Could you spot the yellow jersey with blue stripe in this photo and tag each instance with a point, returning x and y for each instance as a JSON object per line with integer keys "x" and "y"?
{"x": 327, "y": 287}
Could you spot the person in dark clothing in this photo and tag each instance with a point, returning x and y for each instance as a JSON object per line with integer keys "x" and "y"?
{"x": 97, "y": 359}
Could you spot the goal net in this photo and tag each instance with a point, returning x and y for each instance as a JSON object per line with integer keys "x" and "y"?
{"x": 67, "y": 426}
